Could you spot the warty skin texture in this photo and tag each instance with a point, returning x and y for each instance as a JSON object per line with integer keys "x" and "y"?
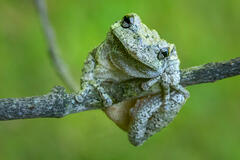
{"x": 132, "y": 51}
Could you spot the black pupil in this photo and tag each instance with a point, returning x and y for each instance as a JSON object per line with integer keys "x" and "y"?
{"x": 164, "y": 52}
{"x": 127, "y": 21}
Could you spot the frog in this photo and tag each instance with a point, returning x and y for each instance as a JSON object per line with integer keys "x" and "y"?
{"x": 133, "y": 51}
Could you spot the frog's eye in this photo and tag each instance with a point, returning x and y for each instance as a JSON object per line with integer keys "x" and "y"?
{"x": 127, "y": 21}
{"x": 163, "y": 53}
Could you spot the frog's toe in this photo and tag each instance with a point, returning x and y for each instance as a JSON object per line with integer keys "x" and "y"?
{"x": 107, "y": 102}
{"x": 145, "y": 86}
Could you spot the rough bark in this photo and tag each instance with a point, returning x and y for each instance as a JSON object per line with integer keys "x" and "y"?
{"x": 59, "y": 103}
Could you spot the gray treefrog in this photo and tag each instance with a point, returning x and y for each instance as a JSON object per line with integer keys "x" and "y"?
{"x": 131, "y": 50}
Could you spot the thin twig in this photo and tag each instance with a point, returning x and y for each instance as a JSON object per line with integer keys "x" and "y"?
{"x": 58, "y": 103}
{"x": 54, "y": 51}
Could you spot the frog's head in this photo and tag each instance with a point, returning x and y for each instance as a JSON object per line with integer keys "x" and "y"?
{"x": 141, "y": 43}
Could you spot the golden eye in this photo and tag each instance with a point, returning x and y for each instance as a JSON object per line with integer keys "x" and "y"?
{"x": 127, "y": 21}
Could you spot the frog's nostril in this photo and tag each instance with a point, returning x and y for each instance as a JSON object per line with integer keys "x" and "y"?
{"x": 127, "y": 21}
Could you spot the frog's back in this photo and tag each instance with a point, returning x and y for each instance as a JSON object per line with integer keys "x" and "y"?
{"x": 89, "y": 67}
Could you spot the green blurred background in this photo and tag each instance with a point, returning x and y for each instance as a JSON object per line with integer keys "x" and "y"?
{"x": 208, "y": 126}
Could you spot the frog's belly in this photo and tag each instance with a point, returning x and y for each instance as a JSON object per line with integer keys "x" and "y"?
{"x": 119, "y": 113}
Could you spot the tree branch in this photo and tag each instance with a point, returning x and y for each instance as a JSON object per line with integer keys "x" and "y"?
{"x": 210, "y": 72}
{"x": 58, "y": 103}
{"x": 54, "y": 51}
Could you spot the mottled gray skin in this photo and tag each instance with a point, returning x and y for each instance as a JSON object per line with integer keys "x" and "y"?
{"x": 150, "y": 116}
{"x": 131, "y": 50}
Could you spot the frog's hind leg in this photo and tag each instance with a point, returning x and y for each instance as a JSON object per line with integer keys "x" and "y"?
{"x": 149, "y": 115}
{"x": 141, "y": 113}
{"x": 165, "y": 115}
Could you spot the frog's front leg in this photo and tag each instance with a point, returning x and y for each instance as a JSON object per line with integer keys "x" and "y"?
{"x": 90, "y": 85}
{"x": 107, "y": 101}
{"x": 165, "y": 84}
{"x": 147, "y": 85}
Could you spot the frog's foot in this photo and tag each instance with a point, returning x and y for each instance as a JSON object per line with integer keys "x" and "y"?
{"x": 85, "y": 88}
{"x": 179, "y": 88}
